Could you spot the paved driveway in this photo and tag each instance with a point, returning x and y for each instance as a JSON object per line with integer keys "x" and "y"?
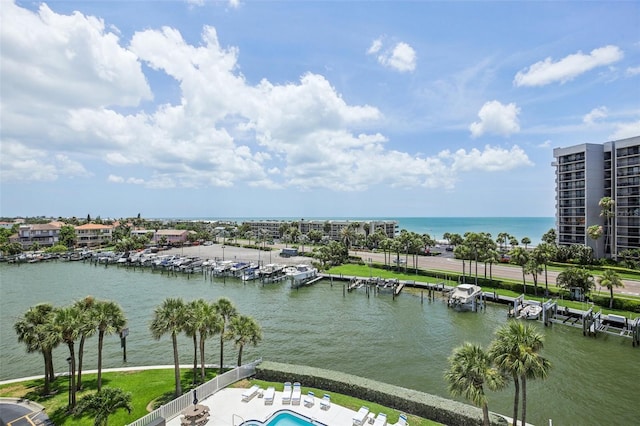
{"x": 20, "y": 412}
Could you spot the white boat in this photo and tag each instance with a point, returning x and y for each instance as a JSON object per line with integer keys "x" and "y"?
{"x": 530, "y": 310}
{"x": 465, "y": 296}
{"x": 251, "y": 273}
{"x": 300, "y": 273}
{"x": 271, "y": 272}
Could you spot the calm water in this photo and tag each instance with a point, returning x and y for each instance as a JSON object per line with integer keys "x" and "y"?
{"x": 594, "y": 381}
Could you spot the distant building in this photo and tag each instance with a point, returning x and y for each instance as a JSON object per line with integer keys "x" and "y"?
{"x": 585, "y": 174}
{"x": 43, "y": 235}
{"x": 92, "y": 234}
{"x": 331, "y": 228}
{"x": 172, "y": 236}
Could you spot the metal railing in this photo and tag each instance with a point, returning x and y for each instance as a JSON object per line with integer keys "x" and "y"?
{"x": 205, "y": 390}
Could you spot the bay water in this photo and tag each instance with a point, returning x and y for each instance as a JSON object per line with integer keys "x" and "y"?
{"x": 404, "y": 342}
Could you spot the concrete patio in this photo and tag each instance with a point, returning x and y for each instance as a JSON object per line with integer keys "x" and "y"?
{"x": 226, "y": 406}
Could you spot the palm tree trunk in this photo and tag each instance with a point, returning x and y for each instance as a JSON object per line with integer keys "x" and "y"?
{"x": 72, "y": 391}
{"x": 221, "y": 350}
{"x": 524, "y": 400}
{"x": 195, "y": 357}
{"x": 240, "y": 355}
{"x": 100, "y": 342}
{"x": 485, "y": 414}
{"x": 516, "y": 399}
{"x": 52, "y": 374}
{"x": 47, "y": 383}
{"x": 176, "y": 365}
{"x": 202, "y": 371}
{"x": 80, "y": 354}
{"x": 546, "y": 281}
{"x": 611, "y": 298}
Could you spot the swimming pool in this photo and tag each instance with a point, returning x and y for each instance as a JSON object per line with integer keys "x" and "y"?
{"x": 285, "y": 418}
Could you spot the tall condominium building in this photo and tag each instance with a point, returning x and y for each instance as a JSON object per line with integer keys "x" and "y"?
{"x": 587, "y": 173}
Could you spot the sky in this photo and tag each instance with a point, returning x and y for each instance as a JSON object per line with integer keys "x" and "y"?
{"x": 309, "y": 109}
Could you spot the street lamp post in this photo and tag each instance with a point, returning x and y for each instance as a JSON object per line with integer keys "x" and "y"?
{"x": 223, "y": 252}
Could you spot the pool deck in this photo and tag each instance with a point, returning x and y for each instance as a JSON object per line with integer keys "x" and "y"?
{"x": 227, "y": 405}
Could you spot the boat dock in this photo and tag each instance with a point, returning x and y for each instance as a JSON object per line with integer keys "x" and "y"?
{"x": 548, "y": 312}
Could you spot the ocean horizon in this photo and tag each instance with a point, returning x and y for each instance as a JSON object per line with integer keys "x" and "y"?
{"x": 436, "y": 227}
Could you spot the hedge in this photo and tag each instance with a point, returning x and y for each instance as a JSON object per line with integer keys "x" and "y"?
{"x": 409, "y": 401}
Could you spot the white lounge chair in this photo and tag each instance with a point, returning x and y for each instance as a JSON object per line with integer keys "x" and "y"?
{"x": 250, "y": 393}
{"x": 309, "y": 399}
{"x": 360, "y": 417}
{"x": 381, "y": 420}
{"x": 268, "y": 395}
{"x": 296, "y": 394}
{"x": 286, "y": 393}
{"x": 402, "y": 421}
{"x": 325, "y": 402}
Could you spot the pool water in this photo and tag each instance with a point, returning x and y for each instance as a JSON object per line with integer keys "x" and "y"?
{"x": 284, "y": 418}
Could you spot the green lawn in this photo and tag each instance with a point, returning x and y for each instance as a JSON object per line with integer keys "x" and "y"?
{"x": 149, "y": 388}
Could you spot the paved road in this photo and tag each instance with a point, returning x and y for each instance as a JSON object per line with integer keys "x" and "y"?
{"x": 443, "y": 262}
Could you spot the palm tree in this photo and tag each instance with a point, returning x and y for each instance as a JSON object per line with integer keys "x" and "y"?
{"x": 544, "y": 253}
{"x": 520, "y": 256}
{"x": 515, "y": 351}
{"x": 68, "y": 322}
{"x": 607, "y": 206}
{"x": 470, "y": 369}
{"x": 109, "y": 318}
{"x": 534, "y": 268}
{"x": 87, "y": 329}
{"x": 225, "y": 309}
{"x": 36, "y": 329}
{"x": 610, "y": 279}
{"x": 169, "y": 318}
{"x": 525, "y": 242}
{"x": 102, "y": 404}
{"x": 244, "y": 330}
{"x": 595, "y": 232}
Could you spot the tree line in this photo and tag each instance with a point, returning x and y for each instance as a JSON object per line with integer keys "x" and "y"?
{"x": 200, "y": 320}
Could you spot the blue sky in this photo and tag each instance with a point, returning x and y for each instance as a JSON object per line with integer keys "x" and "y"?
{"x": 306, "y": 108}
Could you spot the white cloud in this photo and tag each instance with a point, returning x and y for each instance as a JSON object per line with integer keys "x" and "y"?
{"x": 594, "y": 115}
{"x": 401, "y": 57}
{"x": 631, "y": 71}
{"x": 496, "y": 118}
{"x": 626, "y": 130}
{"x": 375, "y": 47}
{"x": 19, "y": 162}
{"x": 222, "y": 132}
{"x": 566, "y": 69}
{"x": 492, "y": 159}
{"x": 545, "y": 144}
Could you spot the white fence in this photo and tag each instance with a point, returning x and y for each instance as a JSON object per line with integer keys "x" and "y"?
{"x": 176, "y": 406}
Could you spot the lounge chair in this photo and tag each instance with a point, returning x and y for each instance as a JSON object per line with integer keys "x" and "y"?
{"x": 309, "y": 399}
{"x": 296, "y": 394}
{"x": 248, "y": 394}
{"x": 268, "y": 395}
{"x": 286, "y": 393}
{"x": 325, "y": 402}
{"x": 381, "y": 420}
{"x": 402, "y": 421}
{"x": 360, "y": 417}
